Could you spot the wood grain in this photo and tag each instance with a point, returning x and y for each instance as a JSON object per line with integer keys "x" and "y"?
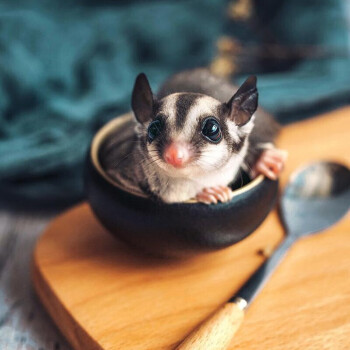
{"x": 102, "y": 295}
{"x": 217, "y": 331}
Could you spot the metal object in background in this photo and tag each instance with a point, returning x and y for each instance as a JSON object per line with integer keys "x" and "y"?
{"x": 316, "y": 197}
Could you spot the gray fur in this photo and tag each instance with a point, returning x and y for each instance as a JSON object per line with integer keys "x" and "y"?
{"x": 136, "y": 165}
{"x": 201, "y": 80}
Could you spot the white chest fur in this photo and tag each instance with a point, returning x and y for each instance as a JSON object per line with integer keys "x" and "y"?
{"x": 180, "y": 189}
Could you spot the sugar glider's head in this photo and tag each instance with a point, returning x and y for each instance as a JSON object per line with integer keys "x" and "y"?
{"x": 187, "y": 134}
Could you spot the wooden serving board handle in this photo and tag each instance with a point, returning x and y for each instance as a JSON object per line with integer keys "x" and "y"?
{"x": 217, "y": 331}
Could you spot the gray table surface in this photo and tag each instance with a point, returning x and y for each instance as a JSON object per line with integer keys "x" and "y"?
{"x": 24, "y": 324}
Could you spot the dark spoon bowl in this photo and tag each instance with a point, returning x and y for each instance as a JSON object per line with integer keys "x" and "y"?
{"x": 174, "y": 230}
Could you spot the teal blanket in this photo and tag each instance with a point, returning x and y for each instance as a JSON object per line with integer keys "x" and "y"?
{"x": 66, "y": 67}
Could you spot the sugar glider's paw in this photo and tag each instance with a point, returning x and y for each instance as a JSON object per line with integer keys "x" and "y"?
{"x": 270, "y": 163}
{"x": 213, "y": 195}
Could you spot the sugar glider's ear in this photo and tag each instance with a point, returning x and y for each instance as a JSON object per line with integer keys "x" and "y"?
{"x": 244, "y": 102}
{"x": 142, "y": 99}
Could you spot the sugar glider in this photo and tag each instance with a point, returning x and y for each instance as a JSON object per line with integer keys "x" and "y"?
{"x": 193, "y": 139}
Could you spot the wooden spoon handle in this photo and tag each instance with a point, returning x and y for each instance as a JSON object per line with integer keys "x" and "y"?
{"x": 217, "y": 331}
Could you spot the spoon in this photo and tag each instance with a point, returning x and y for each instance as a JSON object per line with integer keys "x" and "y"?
{"x": 316, "y": 197}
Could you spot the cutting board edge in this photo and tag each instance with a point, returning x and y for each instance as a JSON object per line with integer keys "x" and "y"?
{"x": 77, "y": 337}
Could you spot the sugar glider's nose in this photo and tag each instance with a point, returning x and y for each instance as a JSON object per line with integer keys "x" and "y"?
{"x": 177, "y": 155}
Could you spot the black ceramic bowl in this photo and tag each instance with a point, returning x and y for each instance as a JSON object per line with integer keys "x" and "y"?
{"x": 173, "y": 229}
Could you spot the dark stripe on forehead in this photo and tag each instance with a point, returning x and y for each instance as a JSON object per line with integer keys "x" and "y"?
{"x": 183, "y": 104}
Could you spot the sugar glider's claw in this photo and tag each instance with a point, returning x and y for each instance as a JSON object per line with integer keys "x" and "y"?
{"x": 270, "y": 163}
{"x": 213, "y": 195}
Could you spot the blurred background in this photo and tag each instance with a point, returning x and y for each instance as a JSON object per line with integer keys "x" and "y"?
{"x": 68, "y": 66}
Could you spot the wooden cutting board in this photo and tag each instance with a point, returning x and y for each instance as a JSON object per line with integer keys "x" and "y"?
{"x": 103, "y": 295}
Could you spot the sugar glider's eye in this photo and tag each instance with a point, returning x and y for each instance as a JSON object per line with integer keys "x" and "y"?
{"x": 211, "y": 130}
{"x": 154, "y": 129}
